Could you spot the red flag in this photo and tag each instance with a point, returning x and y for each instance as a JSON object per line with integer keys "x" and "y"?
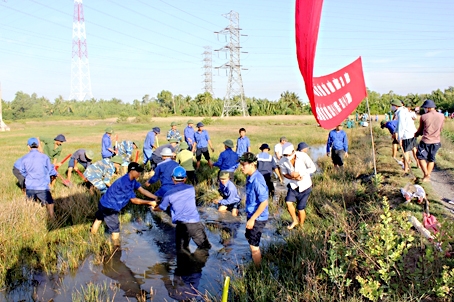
{"x": 332, "y": 97}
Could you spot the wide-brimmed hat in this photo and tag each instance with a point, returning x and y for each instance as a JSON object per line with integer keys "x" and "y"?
{"x": 89, "y": 154}
{"x": 60, "y": 138}
{"x": 156, "y": 130}
{"x": 302, "y": 146}
{"x": 396, "y": 102}
{"x": 109, "y": 130}
{"x": 428, "y": 104}
{"x": 166, "y": 152}
{"x": 264, "y": 146}
{"x": 200, "y": 124}
{"x": 228, "y": 143}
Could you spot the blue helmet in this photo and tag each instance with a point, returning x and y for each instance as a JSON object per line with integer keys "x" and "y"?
{"x": 179, "y": 173}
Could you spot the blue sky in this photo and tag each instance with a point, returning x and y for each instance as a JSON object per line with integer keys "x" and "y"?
{"x": 139, "y": 47}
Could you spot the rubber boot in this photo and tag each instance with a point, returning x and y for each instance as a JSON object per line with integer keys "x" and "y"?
{"x": 116, "y": 239}
{"x": 95, "y": 226}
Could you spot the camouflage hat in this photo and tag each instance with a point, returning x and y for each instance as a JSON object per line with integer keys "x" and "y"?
{"x": 248, "y": 157}
{"x": 109, "y": 130}
{"x": 117, "y": 160}
{"x": 224, "y": 175}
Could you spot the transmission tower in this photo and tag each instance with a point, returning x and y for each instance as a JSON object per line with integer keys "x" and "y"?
{"x": 234, "y": 99}
{"x": 80, "y": 71}
{"x": 3, "y": 126}
{"x": 208, "y": 66}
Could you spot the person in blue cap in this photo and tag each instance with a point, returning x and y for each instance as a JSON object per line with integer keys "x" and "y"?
{"x": 37, "y": 170}
{"x": 52, "y": 148}
{"x": 181, "y": 200}
{"x": 150, "y": 144}
{"x": 163, "y": 173}
{"x": 106, "y": 144}
{"x": 266, "y": 165}
{"x": 228, "y": 159}
{"x": 256, "y": 204}
{"x": 120, "y": 193}
{"x": 200, "y": 146}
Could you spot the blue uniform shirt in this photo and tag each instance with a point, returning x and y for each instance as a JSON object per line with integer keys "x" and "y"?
{"x": 163, "y": 172}
{"x": 181, "y": 199}
{"x": 256, "y": 193}
{"x": 227, "y": 161}
{"x": 189, "y": 135}
{"x": 149, "y": 141}
{"x": 17, "y": 163}
{"x": 338, "y": 140}
{"x": 229, "y": 193}
{"x": 242, "y": 145}
{"x": 120, "y": 193}
{"x": 265, "y": 163}
{"x": 201, "y": 138}
{"x": 391, "y": 126}
{"x": 37, "y": 170}
{"x": 106, "y": 144}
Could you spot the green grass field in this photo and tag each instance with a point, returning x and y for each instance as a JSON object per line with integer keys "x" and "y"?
{"x": 348, "y": 232}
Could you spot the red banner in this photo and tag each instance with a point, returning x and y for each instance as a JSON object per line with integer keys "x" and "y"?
{"x": 332, "y": 97}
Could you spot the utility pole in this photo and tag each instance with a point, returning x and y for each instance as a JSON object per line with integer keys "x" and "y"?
{"x": 208, "y": 66}
{"x": 80, "y": 71}
{"x": 3, "y": 126}
{"x": 234, "y": 100}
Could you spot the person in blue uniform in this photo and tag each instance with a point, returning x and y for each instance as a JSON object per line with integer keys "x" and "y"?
{"x": 189, "y": 134}
{"x": 120, "y": 193}
{"x": 150, "y": 144}
{"x": 163, "y": 173}
{"x": 228, "y": 159}
{"x": 37, "y": 170}
{"x": 392, "y": 126}
{"x": 266, "y": 165}
{"x": 337, "y": 146}
{"x": 243, "y": 144}
{"x": 19, "y": 176}
{"x": 81, "y": 156}
{"x": 230, "y": 199}
{"x": 200, "y": 147}
{"x": 181, "y": 201}
{"x": 106, "y": 144}
{"x": 256, "y": 204}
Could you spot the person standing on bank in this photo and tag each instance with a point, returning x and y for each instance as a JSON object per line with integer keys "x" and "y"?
{"x": 430, "y": 126}
{"x": 120, "y": 193}
{"x": 337, "y": 146}
{"x": 405, "y": 132}
{"x": 150, "y": 144}
{"x": 200, "y": 147}
{"x": 243, "y": 143}
{"x": 106, "y": 144}
{"x": 256, "y": 204}
{"x": 173, "y": 133}
{"x": 37, "y": 170}
{"x": 189, "y": 134}
{"x": 297, "y": 167}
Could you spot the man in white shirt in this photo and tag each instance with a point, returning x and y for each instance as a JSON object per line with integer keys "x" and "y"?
{"x": 297, "y": 168}
{"x": 405, "y": 132}
{"x": 278, "y": 149}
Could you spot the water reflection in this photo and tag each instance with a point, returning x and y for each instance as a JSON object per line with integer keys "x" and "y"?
{"x": 188, "y": 273}
{"x": 117, "y": 270}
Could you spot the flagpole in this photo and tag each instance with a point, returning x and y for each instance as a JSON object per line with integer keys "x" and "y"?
{"x": 372, "y": 137}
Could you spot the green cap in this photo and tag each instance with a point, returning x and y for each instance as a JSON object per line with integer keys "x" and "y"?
{"x": 228, "y": 143}
{"x": 89, "y": 154}
{"x": 382, "y": 123}
{"x": 396, "y": 102}
{"x": 190, "y": 122}
{"x": 117, "y": 160}
{"x": 173, "y": 140}
{"x": 109, "y": 130}
{"x": 173, "y": 124}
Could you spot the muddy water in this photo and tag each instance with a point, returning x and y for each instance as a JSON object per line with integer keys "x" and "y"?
{"x": 147, "y": 263}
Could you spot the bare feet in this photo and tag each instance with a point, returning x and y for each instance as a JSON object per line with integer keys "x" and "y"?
{"x": 294, "y": 224}
{"x": 426, "y": 179}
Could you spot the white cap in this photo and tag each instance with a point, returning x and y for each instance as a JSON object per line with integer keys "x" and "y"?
{"x": 287, "y": 148}
{"x": 166, "y": 152}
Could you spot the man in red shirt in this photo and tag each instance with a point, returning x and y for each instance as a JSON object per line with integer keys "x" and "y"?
{"x": 430, "y": 126}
